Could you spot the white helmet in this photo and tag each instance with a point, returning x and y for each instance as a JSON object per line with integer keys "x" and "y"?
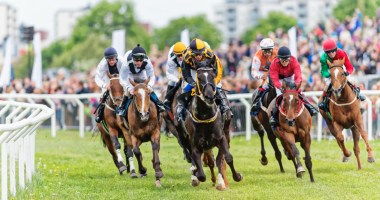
{"x": 266, "y": 43}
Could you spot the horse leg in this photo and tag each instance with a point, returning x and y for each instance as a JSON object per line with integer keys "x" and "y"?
{"x": 221, "y": 185}
{"x": 305, "y": 144}
{"x": 156, "y": 159}
{"x": 363, "y": 133}
{"x": 193, "y": 170}
{"x": 208, "y": 159}
{"x": 196, "y": 156}
{"x": 130, "y": 164}
{"x": 114, "y": 138}
{"x": 356, "y": 137}
{"x": 336, "y": 131}
{"x": 137, "y": 153}
{"x": 277, "y": 152}
{"x": 223, "y": 147}
{"x": 107, "y": 141}
{"x": 260, "y": 130}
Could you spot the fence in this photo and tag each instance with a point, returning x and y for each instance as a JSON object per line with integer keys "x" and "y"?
{"x": 17, "y": 139}
{"x": 75, "y": 106}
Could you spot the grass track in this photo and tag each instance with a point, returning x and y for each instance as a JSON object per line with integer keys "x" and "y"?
{"x": 69, "y": 167}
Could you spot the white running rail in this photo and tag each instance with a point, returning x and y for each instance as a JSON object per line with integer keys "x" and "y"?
{"x": 17, "y": 139}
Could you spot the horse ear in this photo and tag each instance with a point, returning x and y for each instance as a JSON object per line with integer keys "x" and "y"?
{"x": 147, "y": 81}
{"x": 132, "y": 82}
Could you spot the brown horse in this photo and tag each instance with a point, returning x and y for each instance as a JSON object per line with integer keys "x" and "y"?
{"x": 204, "y": 126}
{"x": 109, "y": 129}
{"x": 261, "y": 125}
{"x": 143, "y": 125}
{"x": 345, "y": 113}
{"x": 295, "y": 124}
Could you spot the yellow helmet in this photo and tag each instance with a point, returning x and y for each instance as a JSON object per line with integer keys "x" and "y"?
{"x": 179, "y": 47}
{"x": 197, "y": 46}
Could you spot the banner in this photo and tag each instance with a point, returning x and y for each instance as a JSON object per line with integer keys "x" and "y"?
{"x": 5, "y": 77}
{"x": 118, "y": 41}
{"x": 292, "y": 32}
{"x": 37, "y": 65}
{"x": 185, "y": 37}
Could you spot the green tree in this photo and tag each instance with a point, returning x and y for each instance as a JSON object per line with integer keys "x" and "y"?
{"x": 198, "y": 27}
{"x": 272, "y": 22}
{"x": 346, "y": 8}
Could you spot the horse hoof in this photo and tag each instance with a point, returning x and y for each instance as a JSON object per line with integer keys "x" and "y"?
{"x": 345, "y": 159}
{"x": 264, "y": 161}
{"x": 122, "y": 169}
{"x": 159, "y": 174}
{"x": 195, "y": 183}
{"x": 300, "y": 171}
{"x": 221, "y": 187}
{"x": 143, "y": 175}
{"x": 299, "y": 174}
{"x": 238, "y": 177}
{"x": 371, "y": 160}
{"x": 201, "y": 178}
{"x": 158, "y": 183}
{"x": 133, "y": 174}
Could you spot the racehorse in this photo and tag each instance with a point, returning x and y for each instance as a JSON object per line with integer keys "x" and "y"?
{"x": 344, "y": 112}
{"x": 143, "y": 125}
{"x": 110, "y": 131}
{"x": 261, "y": 123}
{"x": 204, "y": 125}
{"x": 294, "y": 126}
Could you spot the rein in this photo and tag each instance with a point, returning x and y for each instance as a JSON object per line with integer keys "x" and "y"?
{"x": 113, "y": 99}
{"x": 203, "y": 121}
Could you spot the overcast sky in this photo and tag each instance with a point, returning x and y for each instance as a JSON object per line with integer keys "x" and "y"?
{"x": 40, "y": 13}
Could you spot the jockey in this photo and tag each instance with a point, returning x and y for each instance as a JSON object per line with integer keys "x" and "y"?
{"x": 110, "y": 64}
{"x": 138, "y": 68}
{"x": 331, "y": 53}
{"x": 260, "y": 66}
{"x": 173, "y": 70}
{"x": 199, "y": 54}
{"x": 286, "y": 67}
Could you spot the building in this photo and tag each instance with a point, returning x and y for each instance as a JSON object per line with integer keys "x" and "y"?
{"x": 65, "y": 21}
{"x": 234, "y": 17}
{"x": 8, "y": 26}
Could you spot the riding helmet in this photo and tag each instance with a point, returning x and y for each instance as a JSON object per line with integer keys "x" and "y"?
{"x": 179, "y": 47}
{"x": 110, "y": 52}
{"x": 329, "y": 45}
{"x": 283, "y": 52}
{"x": 138, "y": 52}
{"x": 197, "y": 46}
{"x": 266, "y": 43}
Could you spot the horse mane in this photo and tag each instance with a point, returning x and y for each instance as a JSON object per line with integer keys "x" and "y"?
{"x": 336, "y": 63}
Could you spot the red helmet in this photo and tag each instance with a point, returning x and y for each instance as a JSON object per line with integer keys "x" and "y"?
{"x": 329, "y": 45}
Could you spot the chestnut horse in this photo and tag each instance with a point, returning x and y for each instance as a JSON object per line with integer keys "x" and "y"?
{"x": 294, "y": 126}
{"x": 109, "y": 129}
{"x": 204, "y": 126}
{"x": 345, "y": 112}
{"x": 143, "y": 125}
{"x": 261, "y": 125}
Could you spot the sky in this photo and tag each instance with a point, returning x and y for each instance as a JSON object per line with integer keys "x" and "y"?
{"x": 40, "y": 13}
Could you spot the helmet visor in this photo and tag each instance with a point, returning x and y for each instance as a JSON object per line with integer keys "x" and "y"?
{"x": 138, "y": 56}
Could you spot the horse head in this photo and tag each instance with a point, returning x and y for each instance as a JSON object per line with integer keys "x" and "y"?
{"x": 116, "y": 89}
{"x": 142, "y": 99}
{"x": 206, "y": 84}
{"x": 291, "y": 104}
{"x": 338, "y": 76}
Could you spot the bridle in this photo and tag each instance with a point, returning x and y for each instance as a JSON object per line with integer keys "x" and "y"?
{"x": 114, "y": 99}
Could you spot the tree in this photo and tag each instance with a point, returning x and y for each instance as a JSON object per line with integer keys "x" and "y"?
{"x": 272, "y": 22}
{"x": 198, "y": 26}
{"x": 347, "y": 8}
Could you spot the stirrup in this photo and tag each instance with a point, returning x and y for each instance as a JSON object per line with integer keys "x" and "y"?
{"x": 272, "y": 121}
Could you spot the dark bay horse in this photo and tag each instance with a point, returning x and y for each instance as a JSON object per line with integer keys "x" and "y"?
{"x": 109, "y": 129}
{"x": 204, "y": 126}
{"x": 143, "y": 125}
{"x": 294, "y": 126}
{"x": 261, "y": 125}
{"x": 345, "y": 113}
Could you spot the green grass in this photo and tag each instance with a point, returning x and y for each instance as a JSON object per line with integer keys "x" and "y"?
{"x": 69, "y": 167}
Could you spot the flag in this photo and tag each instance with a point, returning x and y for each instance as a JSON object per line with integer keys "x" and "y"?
{"x": 37, "y": 65}
{"x": 5, "y": 77}
{"x": 118, "y": 41}
{"x": 185, "y": 37}
{"x": 293, "y": 41}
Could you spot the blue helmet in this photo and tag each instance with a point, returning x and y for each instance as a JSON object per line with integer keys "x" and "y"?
{"x": 110, "y": 52}
{"x": 283, "y": 52}
{"x": 138, "y": 52}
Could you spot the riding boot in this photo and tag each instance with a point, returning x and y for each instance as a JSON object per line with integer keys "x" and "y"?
{"x": 312, "y": 110}
{"x": 159, "y": 104}
{"x": 360, "y": 96}
{"x": 169, "y": 96}
{"x": 183, "y": 101}
{"x": 223, "y": 101}
{"x": 99, "y": 117}
{"x": 273, "y": 121}
{"x": 255, "y": 103}
{"x": 326, "y": 94}
{"x": 121, "y": 111}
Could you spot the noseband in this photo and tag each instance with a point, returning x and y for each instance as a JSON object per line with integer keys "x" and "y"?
{"x": 342, "y": 84}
